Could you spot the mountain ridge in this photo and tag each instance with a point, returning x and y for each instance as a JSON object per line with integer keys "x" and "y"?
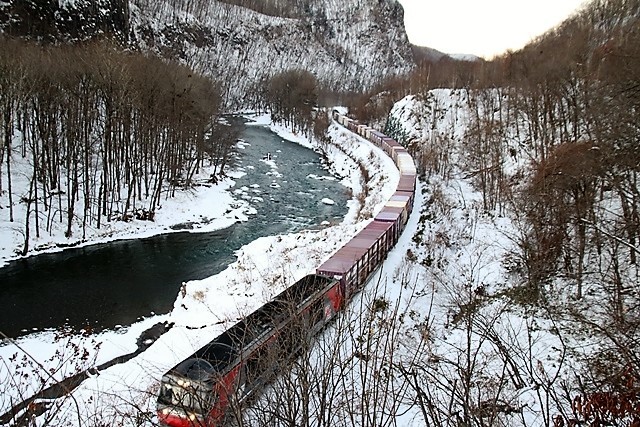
{"x": 349, "y": 45}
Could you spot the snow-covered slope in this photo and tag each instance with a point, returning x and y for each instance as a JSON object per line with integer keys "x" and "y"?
{"x": 347, "y": 45}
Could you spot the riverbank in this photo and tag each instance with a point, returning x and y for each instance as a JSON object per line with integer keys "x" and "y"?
{"x": 204, "y": 206}
{"x": 103, "y": 285}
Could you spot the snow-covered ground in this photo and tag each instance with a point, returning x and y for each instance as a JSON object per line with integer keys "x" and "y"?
{"x": 205, "y": 307}
{"x": 445, "y": 286}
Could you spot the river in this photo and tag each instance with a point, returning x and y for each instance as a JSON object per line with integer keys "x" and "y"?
{"x": 104, "y": 285}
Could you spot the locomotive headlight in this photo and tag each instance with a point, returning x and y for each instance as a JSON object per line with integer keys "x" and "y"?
{"x": 165, "y": 411}
{"x": 192, "y": 417}
{"x": 180, "y": 383}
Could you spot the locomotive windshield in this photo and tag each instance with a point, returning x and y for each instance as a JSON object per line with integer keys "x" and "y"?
{"x": 196, "y": 369}
{"x": 189, "y": 385}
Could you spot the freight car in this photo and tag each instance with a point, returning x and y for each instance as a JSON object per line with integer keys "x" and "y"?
{"x": 213, "y": 382}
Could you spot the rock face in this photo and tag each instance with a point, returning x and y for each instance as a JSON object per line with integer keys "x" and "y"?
{"x": 347, "y": 44}
{"x": 65, "y": 20}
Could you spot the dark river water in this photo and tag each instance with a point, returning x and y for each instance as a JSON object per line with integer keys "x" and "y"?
{"x": 105, "y": 285}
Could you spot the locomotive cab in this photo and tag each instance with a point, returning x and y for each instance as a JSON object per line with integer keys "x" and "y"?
{"x": 187, "y": 395}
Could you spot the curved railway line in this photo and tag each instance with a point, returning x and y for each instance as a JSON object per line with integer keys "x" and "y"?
{"x": 201, "y": 390}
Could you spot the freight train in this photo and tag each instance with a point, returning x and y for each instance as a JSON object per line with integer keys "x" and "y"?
{"x": 211, "y": 384}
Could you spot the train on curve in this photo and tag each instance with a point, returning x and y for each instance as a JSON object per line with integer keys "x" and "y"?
{"x": 210, "y": 385}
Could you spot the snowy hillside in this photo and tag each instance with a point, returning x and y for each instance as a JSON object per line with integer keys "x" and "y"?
{"x": 348, "y": 45}
{"x": 503, "y": 344}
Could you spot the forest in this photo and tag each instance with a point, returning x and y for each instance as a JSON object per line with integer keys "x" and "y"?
{"x": 570, "y": 100}
{"x": 551, "y": 142}
{"x": 108, "y": 132}
{"x": 105, "y": 127}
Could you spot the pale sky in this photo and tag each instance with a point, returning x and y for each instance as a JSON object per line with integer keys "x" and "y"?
{"x": 482, "y": 27}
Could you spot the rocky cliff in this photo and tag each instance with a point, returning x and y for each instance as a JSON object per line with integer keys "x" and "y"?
{"x": 349, "y": 45}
